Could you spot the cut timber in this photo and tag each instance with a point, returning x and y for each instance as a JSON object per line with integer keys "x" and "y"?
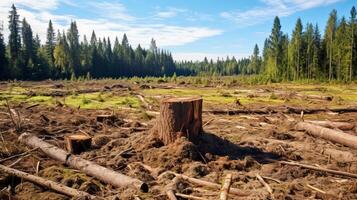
{"x": 329, "y": 124}
{"x": 341, "y": 173}
{"x": 204, "y": 183}
{"x": 77, "y": 143}
{"x": 101, "y": 173}
{"x": 226, "y": 186}
{"x": 180, "y": 117}
{"x": 286, "y": 110}
{"x": 328, "y": 134}
{"x": 171, "y": 195}
{"x": 341, "y": 156}
{"x": 46, "y": 183}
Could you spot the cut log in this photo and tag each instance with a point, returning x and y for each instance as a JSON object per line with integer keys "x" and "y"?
{"x": 77, "y": 143}
{"x": 287, "y": 110}
{"x": 185, "y": 196}
{"x": 204, "y": 183}
{"x": 103, "y": 174}
{"x": 329, "y": 124}
{"x": 225, "y": 188}
{"x": 180, "y": 117}
{"x": 46, "y": 183}
{"x": 328, "y": 134}
{"x": 171, "y": 195}
{"x": 265, "y": 184}
{"x": 341, "y": 173}
{"x": 341, "y": 156}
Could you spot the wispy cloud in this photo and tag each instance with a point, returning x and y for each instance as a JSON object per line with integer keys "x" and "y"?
{"x": 112, "y": 10}
{"x": 271, "y": 9}
{"x": 169, "y": 13}
{"x": 104, "y": 25}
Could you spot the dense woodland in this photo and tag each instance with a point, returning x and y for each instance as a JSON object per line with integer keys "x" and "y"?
{"x": 305, "y": 54}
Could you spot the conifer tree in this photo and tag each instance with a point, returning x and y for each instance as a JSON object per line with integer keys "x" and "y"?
{"x": 352, "y": 25}
{"x": 3, "y": 59}
{"x": 14, "y": 38}
{"x": 50, "y": 43}
{"x": 296, "y": 45}
{"x": 74, "y": 50}
{"x": 329, "y": 40}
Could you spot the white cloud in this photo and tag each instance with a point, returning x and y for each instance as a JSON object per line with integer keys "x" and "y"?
{"x": 111, "y": 10}
{"x": 199, "y": 56}
{"x": 271, "y": 9}
{"x": 169, "y": 13}
{"x": 35, "y": 5}
{"x": 103, "y": 24}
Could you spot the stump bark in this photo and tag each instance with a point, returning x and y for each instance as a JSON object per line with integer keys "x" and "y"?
{"x": 180, "y": 117}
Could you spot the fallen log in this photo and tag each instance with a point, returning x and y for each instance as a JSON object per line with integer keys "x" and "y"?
{"x": 204, "y": 183}
{"x": 171, "y": 195}
{"x": 265, "y": 184}
{"x": 287, "y": 110}
{"x": 46, "y": 183}
{"x": 342, "y": 156}
{"x": 225, "y": 188}
{"x": 144, "y": 102}
{"x": 328, "y": 134}
{"x": 104, "y": 174}
{"x": 341, "y": 173}
{"x": 185, "y": 196}
{"x": 330, "y": 124}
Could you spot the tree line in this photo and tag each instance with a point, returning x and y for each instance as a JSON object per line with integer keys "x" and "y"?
{"x": 305, "y": 54}
{"x": 308, "y": 55}
{"x": 64, "y": 56}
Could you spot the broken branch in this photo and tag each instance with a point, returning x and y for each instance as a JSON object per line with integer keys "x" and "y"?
{"x": 46, "y": 183}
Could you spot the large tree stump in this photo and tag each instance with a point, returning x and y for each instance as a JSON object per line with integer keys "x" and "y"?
{"x": 180, "y": 117}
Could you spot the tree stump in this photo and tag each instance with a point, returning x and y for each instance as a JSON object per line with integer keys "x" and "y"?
{"x": 77, "y": 143}
{"x": 180, "y": 117}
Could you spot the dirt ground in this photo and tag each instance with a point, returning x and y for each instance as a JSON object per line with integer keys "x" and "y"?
{"x": 243, "y": 144}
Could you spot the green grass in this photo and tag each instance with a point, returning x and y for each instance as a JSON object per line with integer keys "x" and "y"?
{"x": 101, "y": 101}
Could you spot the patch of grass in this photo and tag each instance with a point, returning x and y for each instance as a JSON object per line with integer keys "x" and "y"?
{"x": 106, "y": 100}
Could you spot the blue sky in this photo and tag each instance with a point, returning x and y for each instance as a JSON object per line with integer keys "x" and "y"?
{"x": 189, "y": 29}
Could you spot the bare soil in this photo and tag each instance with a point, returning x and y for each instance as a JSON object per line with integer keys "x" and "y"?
{"x": 244, "y": 145}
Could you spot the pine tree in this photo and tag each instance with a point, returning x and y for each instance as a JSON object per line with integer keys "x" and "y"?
{"x": 309, "y": 51}
{"x": 3, "y": 59}
{"x": 296, "y": 45}
{"x": 28, "y": 51}
{"x": 329, "y": 40}
{"x": 61, "y": 55}
{"x": 14, "y": 38}
{"x": 316, "y": 57}
{"x": 275, "y": 49}
{"x": 74, "y": 49}
{"x": 50, "y": 43}
{"x": 341, "y": 51}
{"x": 352, "y": 25}
{"x": 255, "y": 61}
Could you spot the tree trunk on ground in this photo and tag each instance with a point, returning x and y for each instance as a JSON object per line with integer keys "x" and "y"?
{"x": 329, "y": 124}
{"x": 329, "y": 134}
{"x": 46, "y": 183}
{"x": 101, "y": 173}
{"x": 180, "y": 117}
{"x": 78, "y": 143}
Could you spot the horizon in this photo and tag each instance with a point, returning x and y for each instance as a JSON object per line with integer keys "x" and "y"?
{"x": 189, "y": 31}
